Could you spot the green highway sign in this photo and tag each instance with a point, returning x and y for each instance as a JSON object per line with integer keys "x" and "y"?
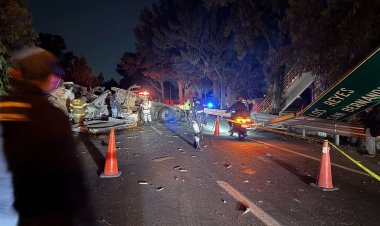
{"x": 357, "y": 91}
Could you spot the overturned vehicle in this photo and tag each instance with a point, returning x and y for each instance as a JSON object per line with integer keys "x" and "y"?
{"x": 105, "y": 109}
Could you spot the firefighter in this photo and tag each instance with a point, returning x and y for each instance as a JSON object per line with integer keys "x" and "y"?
{"x": 146, "y": 105}
{"x": 187, "y": 108}
{"x": 78, "y": 108}
{"x": 197, "y": 122}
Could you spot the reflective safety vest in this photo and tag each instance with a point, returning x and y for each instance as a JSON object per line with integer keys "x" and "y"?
{"x": 14, "y": 111}
{"x": 187, "y": 105}
{"x": 78, "y": 107}
{"x": 146, "y": 105}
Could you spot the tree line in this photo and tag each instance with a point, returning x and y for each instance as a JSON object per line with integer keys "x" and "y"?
{"x": 227, "y": 47}
{"x": 17, "y": 32}
{"x": 246, "y": 47}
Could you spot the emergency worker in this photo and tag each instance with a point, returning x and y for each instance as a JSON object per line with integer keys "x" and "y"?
{"x": 38, "y": 145}
{"x": 115, "y": 105}
{"x": 69, "y": 95}
{"x": 187, "y": 108}
{"x": 146, "y": 105}
{"x": 78, "y": 108}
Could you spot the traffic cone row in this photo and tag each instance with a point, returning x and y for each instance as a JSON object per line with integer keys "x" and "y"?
{"x": 324, "y": 180}
{"x": 216, "y": 131}
{"x": 111, "y": 168}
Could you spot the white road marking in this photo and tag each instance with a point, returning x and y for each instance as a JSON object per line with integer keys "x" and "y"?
{"x": 154, "y": 128}
{"x": 255, "y": 210}
{"x": 310, "y": 157}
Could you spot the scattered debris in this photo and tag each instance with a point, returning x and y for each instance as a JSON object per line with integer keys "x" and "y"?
{"x": 104, "y": 221}
{"x": 159, "y": 188}
{"x": 227, "y": 165}
{"x": 160, "y": 159}
{"x": 143, "y": 182}
{"x": 296, "y": 200}
{"x": 103, "y": 143}
{"x": 242, "y": 207}
{"x": 248, "y": 171}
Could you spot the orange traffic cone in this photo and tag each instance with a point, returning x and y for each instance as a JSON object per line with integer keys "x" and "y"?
{"x": 324, "y": 180}
{"x": 216, "y": 131}
{"x": 111, "y": 168}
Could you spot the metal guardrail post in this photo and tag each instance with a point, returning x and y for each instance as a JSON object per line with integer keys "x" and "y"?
{"x": 336, "y": 139}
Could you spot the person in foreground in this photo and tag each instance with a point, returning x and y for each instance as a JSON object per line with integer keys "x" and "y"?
{"x": 38, "y": 145}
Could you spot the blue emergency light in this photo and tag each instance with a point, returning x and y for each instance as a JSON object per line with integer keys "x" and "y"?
{"x": 210, "y": 105}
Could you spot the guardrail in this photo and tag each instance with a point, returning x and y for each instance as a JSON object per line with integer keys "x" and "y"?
{"x": 312, "y": 124}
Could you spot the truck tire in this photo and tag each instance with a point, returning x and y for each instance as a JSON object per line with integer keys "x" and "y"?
{"x": 165, "y": 115}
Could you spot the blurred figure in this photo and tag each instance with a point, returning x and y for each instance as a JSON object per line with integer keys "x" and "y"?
{"x": 38, "y": 144}
{"x": 8, "y": 216}
{"x": 78, "y": 108}
{"x": 253, "y": 108}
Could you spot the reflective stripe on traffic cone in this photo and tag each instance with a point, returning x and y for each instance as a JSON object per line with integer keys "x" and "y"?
{"x": 111, "y": 168}
{"x": 324, "y": 180}
{"x": 216, "y": 131}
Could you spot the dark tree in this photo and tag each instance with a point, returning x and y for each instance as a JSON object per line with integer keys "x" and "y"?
{"x": 16, "y": 31}
{"x": 53, "y": 43}
{"x": 329, "y": 37}
{"x": 110, "y": 83}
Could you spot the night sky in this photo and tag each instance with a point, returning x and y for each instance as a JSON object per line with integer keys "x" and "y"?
{"x": 99, "y": 30}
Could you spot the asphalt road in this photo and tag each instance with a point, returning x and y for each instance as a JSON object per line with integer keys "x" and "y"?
{"x": 263, "y": 180}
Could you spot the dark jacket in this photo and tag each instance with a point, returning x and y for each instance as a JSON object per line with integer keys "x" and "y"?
{"x": 41, "y": 154}
{"x": 239, "y": 108}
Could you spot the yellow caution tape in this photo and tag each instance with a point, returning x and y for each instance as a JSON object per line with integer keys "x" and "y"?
{"x": 374, "y": 175}
{"x": 357, "y": 163}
